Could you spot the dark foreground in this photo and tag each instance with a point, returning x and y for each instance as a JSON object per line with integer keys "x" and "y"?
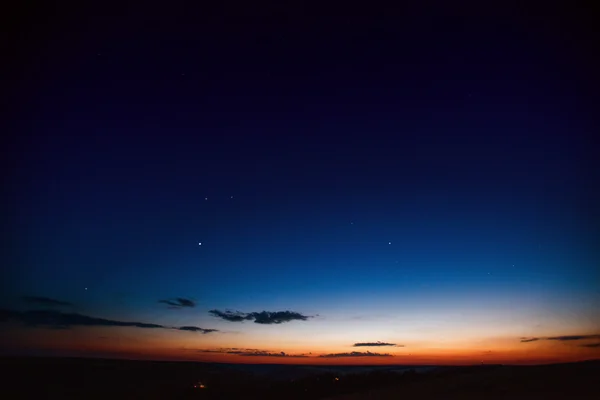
{"x": 34, "y": 378}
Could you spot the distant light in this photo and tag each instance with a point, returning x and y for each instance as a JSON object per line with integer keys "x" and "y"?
{"x": 199, "y": 243}
{"x": 337, "y": 379}
{"x": 232, "y": 197}
{"x": 389, "y": 242}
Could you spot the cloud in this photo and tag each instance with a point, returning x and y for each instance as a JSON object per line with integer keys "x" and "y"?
{"x": 574, "y": 337}
{"x": 179, "y": 302}
{"x": 253, "y": 353}
{"x": 60, "y": 320}
{"x": 566, "y": 338}
{"x": 232, "y": 316}
{"x": 376, "y": 344}
{"x": 526, "y": 340}
{"x": 355, "y": 354}
{"x": 262, "y": 317}
{"x": 261, "y": 353}
{"x": 591, "y": 345}
{"x": 196, "y": 329}
{"x": 266, "y": 317}
{"x": 45, "y": 301}
{"x": 57, "y": 319}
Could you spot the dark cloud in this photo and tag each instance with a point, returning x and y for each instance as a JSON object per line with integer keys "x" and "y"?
{"x": 46, "y": 301}
{"x": 262, "y": 317}
{"x": 60, "y": 320}
{"x": 526, "y": 340}
{"x": 376, "y": 344}
{"x": 591, "y": 345}
{"x": 573, "y": 337}
{"x": 196, "y": 329}
{"x": 566, "y": 338}
{"x": 57, "y": 319}
{"x": 232, "y": 350}
{"x": 253, "y": 353}
{"x": 179, "y": 302}
{"x": 233, "y": 316}
{"x": 261, "y": 353}
{"x": 266, "y": 317}
{"x": 356, "y": 354}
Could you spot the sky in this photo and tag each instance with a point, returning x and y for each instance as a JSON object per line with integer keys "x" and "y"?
{"x": 300, "y": 186}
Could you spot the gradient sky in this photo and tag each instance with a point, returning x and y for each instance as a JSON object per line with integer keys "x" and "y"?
{"x": 423, "y": 180}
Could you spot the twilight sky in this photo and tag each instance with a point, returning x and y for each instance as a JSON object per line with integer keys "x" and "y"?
{"x": 258, "y": 186}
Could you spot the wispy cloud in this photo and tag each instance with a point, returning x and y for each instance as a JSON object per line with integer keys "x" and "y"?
{"x": 532, "y": 339}
{"x": 46, "y": 301}
{"x": 196, "y": 329}
{"x": 60, "y": 320}
{"x": 252, "y": 352}
{"x": 261, "y": 353}
{"x": 262, "y": 317}
{"x": 590, "y": 345}
{"x": 179, "y": 302}
{"x": 376, "y": 344}
{"x": 232, "y": 316}
{"x": 355, "y": 354}
{"x": 573, "y": 337}
{"x": 565, "y": 338}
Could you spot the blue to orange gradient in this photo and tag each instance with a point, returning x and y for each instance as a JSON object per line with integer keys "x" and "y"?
{"x": 423, "y": 206}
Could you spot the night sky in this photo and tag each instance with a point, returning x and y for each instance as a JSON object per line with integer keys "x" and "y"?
{"x": 301, "y": 186}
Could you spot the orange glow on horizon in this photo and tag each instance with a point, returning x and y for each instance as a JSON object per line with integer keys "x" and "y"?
{"x": 148, "y": 345}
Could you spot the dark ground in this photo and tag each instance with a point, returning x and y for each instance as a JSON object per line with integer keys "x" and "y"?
{"x": 575, "y": 381}
{"x": 33, "y": 378}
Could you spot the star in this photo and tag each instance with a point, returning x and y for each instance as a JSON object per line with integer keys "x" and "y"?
{"x": 206, "y": 198}
{"x": 85, "y": 288}
{"x": 200, "y": 244}
{"x": 232, "y": 197}
{"x": 389, "y": 242}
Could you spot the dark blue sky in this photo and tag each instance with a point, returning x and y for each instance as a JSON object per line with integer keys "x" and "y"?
{"x": 339, "y": 166}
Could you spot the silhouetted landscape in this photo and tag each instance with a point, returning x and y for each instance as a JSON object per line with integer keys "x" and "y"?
{"x": 32, "y": 378}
